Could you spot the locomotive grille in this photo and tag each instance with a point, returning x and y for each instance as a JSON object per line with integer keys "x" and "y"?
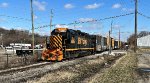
{"x": 56, "y": 42}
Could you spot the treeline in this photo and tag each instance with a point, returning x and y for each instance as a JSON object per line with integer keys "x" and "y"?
{"x": 19, "y": 36}
{"x": 131, "y": 40}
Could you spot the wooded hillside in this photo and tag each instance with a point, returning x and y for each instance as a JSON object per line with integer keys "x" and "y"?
{"x": 19, "y": 36}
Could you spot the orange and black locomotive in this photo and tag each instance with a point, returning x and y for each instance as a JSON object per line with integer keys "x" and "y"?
{"x": 68, "y": 43}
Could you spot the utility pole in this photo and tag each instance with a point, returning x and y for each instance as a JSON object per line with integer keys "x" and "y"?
{"x": 32, "y": 26}
{"x": 119, "y": 39}
{"x": 110, "y": 31}
{"x": 136, "y": 8}
{"x": 111, "y": 26}
{"x": 51, "y": 17}
{"x": 109, "y": 52}
{"x": 75, "y": 24}
{"x": 2, "y": 39}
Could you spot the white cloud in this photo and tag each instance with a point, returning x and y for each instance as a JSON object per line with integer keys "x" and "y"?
{"x": 93, "y": 6}
{"x": 76, "y": 27}
{"x": 96, "y": 25}
{"x": 116, "y": 26}
{"x": 20, "y": 28}
{"x": 43, "y": 32}
{"x": 4, "y": 5}
{"x": 68, "y": 6}
{"x": 117, "y": 5}
{"x": 61, "y": 26}
{"x": 128, "y": 9}
{"x": 79, "y": 26}
{"x": 85, "y": 19}
{"x": 5, "y": 27}
{"x": 35, "y": 17}
{"x": 2, "y": 20}
{"x": 92, "y": 25}
{"x": 40, "y": 5}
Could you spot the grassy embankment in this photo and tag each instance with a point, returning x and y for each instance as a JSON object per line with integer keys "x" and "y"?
{"x": 122, "y": 72}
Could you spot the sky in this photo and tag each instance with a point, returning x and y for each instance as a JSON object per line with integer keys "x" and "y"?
{"x": 16, "y": 14}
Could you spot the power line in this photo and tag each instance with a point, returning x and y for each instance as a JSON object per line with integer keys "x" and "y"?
{"x": 94, "y": 20}
{"x": 148, "y": 17}
{"x": 15, "y": 17}
{"x": 19, "y": 18}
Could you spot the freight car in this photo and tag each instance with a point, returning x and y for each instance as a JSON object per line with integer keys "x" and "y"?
{"x": 116, "y": 44}
{"x": 110, "y": 41}
{"x": 100, "y": 44}
{"x": 104, "y": 43}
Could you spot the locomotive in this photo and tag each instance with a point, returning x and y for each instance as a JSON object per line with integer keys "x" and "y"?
{"x": 65, "y": 43}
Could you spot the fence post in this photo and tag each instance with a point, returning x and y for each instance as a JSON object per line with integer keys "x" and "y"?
{"x": 25, "y": 58}
{"x": 7, "y": 60}
{"x": 22, "y": 57}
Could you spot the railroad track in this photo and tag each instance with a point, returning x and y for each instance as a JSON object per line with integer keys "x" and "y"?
{"x": 35, "y": 65}
{"x": 24, "y": 67}
{"x": 35, "y": 70}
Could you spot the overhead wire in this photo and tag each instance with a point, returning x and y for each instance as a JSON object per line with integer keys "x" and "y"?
{"x": 18, "y": 18}
{"x": 94, "y": 20}
{"x": 148, "y": 17}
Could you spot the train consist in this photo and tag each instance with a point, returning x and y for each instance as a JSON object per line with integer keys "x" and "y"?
{"x": 67, "y": 43}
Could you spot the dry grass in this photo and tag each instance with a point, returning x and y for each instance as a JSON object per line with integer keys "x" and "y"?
{"x": 72, "y": 74}
{"x": 55, "y": 77}
{"x": 143, "y": 50}
{"x": 122, "y": 72}
{"x": 14, "y": 61}
{"x": 78, "y": 73}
